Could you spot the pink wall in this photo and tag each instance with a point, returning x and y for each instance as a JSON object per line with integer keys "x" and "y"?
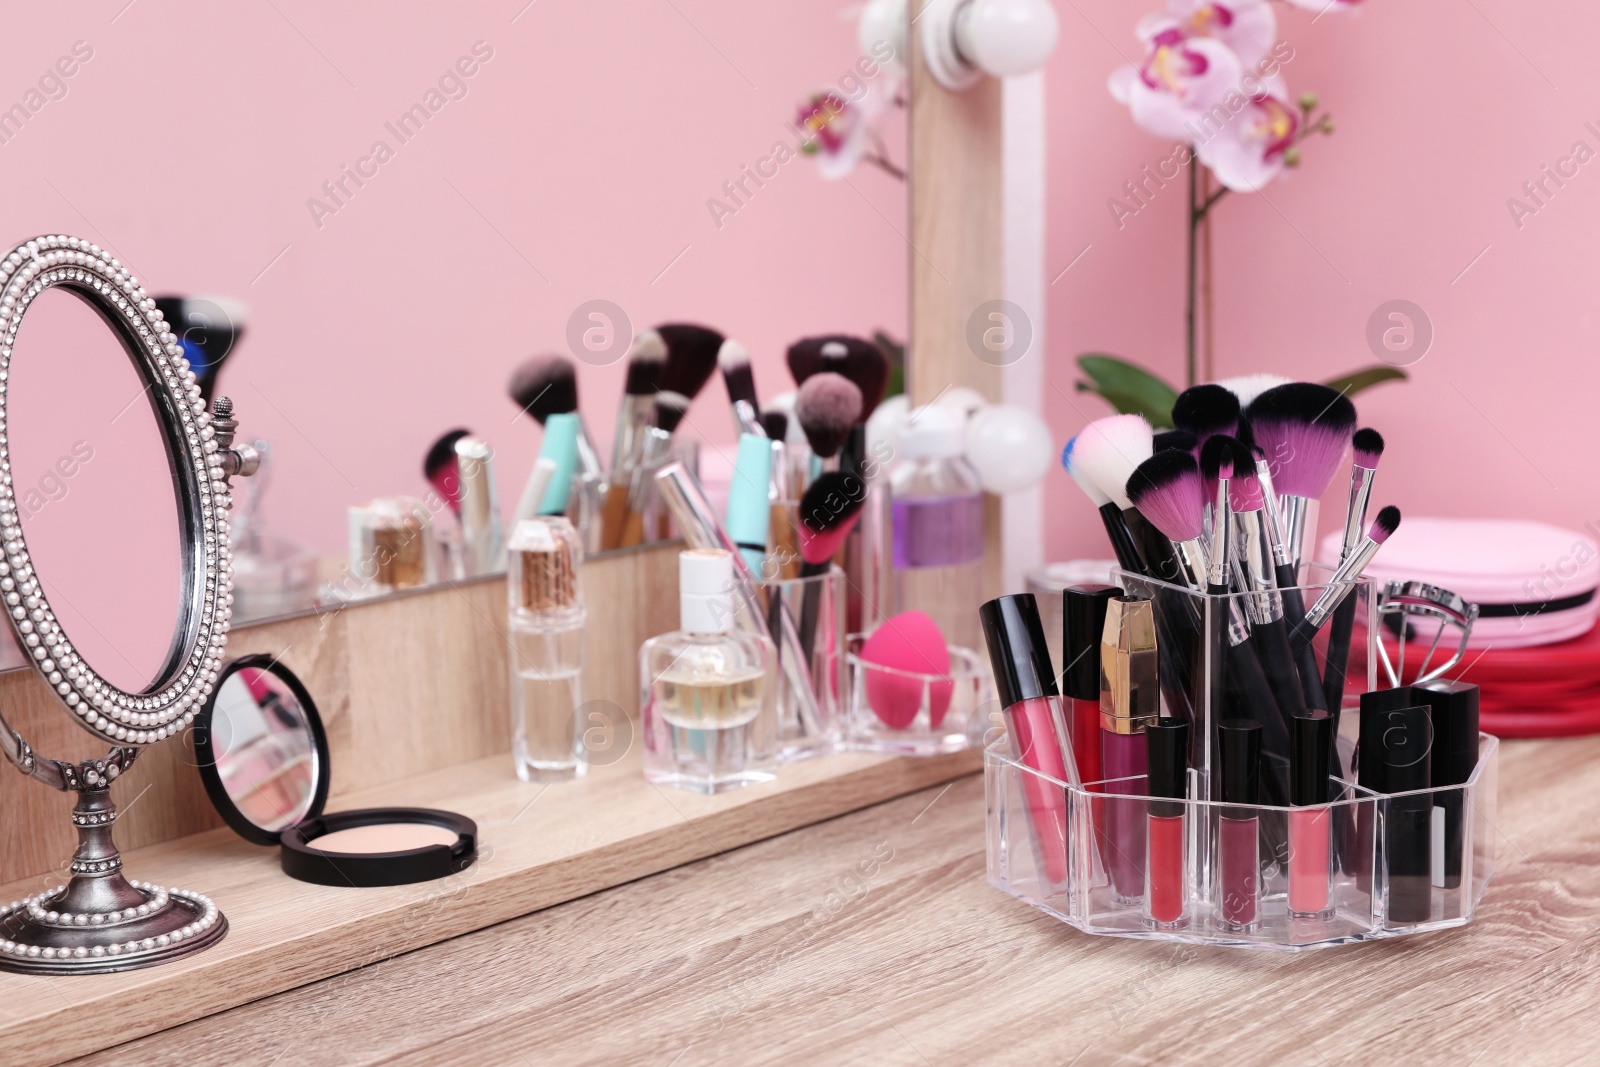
{"x": 1443, "y": 110}
{"x": 576, "y": 166}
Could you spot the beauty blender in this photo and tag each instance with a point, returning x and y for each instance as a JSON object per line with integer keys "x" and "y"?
{"x": 911, "y": 643}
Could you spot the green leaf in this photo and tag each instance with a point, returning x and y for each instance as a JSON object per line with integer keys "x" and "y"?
{"x": 1129, "y": 388}
{"x": 1365, "y": 378}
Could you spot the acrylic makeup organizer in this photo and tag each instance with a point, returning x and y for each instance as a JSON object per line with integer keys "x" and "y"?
{"x": 907, "y": 713}
{"x": 809, "y": 726}
{"x": 1049, "y": 844}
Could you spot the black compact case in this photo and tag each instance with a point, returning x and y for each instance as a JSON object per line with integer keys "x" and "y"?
{"x": 266, "y": 686}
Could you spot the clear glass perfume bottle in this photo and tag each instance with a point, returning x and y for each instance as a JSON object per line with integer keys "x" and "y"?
{"x": 546, "y": 627}
{"x": 707, "y": 691}
{"x": 937, "y": 516}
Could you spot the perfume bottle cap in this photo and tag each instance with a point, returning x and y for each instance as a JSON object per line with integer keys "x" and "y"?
{"x": 1311, "y": 742}
{"x": 931, "y": 432}
{"x": 1167, "y": 748}
{"x": 1083, "y": 621}
{"x": 705, "y": 591}
{"x": 1455, "y": 728}
{"x": 1017, "y": 649}
{"x": 1239, "y": 757}
{"x": 1130, "y": 669}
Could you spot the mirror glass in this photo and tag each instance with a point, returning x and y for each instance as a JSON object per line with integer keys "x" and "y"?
{"x": 263, "y": 747}
{"x": 426, "y": 201}
{"x": 94, "y": 489}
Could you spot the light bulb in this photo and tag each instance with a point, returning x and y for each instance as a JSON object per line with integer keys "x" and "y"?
{"x": 1007, "y": 37}
{"x": 1010, "y": 447}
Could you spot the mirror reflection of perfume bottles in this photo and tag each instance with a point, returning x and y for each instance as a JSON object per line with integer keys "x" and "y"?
{"x": 272, "y": 574}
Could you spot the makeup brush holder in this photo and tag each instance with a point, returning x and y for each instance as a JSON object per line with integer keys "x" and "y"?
{"x": 1107, "y": 859}
{"x": 1082, "y": 853}
{"x": 810, "y": 722}
{"x": 907, "y": 713}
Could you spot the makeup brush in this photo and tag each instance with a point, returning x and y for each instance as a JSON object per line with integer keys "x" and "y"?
{"x": 828, "y": 511}
{"x": 1343, "y": 580}
{"x": 804, "y": 358}
{"x": 775, "y": 424}
{"x": 548, "y": 385}
{"x": 1116, "y": 527}
{"x": 1204, "y": 410}
{"x": 828, "y": 406}
{"x": 439, "y": 467}
{"x": 1107, "y": 451}
{"x": 1169, "y": 493}
{"x": 1174, "y": 441}
{"x": 733, "y": 359}
{"x": 670, "y": 409}
{"x": 1263, "y": 604}
{"x": 691, "y": 357}
{"x": 1250, "y": 386}
{"x": 209, "y": 328}
{"x": 866, "y": 365}
{"x": 646, "y": 360}
{"x": 1216, "y": 470}
{"x": 1302, "y": 428}
{"x": 1367, "y": 447}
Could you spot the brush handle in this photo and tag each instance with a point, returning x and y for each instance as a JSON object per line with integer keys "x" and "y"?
{"x": 613, "y": 516}
{"x": 809, "y": 607}
{"x": 1305, "y": 656}
{"x": 1271, "y": 641}
{"x": 1250, "y": 696}
{"x": 1127, "y": 553}
{"x": 1338, "y": 661}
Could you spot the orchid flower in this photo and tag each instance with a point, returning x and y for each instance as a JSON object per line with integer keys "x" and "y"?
{"x": 1320, "y": 6}
{"x": 1249, "y": 150}
{"x": 1180, "y": 80}
{"x": 843, "y": 134}
{"x": 1247, "y": 26}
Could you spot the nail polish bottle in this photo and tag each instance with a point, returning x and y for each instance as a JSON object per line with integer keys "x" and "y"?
{"x": 1394, "y": 753}
{"x": 708, "y": 695}
{"x": 1310, "y": 818}
{"x": 1130, "y": 701}
{"x": 1238, "y": 888}
{"x": 1166, "y": 876}
{"x": 1454, "y": 714}
{"x": 546, "y": 628}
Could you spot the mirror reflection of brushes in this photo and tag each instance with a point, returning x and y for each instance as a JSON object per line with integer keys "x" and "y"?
{"x": 548, "y": 385}
{"x": 828, "y": 512}
{"x": 442, "y": 470}
{"x": 209, "y": 328}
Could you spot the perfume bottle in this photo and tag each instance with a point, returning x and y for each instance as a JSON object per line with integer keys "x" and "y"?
{"x": 936, "y": 512}
{"x": 546, "y": 632}
{"x": 707, "y": 692}
{"x": 391, "y": 547}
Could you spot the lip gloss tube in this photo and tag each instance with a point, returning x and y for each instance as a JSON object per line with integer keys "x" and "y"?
{"x": 1130, "y": 701}
{"x": 1026, "y": 685}
{"x": 1238, "y": 831}
{"x": 1083, "y": 623}
{"x": 1166, "y": 881}
{"x": 1454, "y": 714}
{"x": 1394, "y": 752}
{"x": 1310, "y": 818}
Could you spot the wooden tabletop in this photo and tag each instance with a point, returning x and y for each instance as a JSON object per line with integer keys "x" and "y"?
{"x": 874, "y": 938}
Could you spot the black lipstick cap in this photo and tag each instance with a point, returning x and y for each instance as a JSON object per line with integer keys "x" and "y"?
{"x": 1454, "y": 711}
{"x": 1017, "y": 650}
{"x": 1167, "y": 747}
{"x": 1396, "y": 747}
{"x": 1083, "y": 621}
{"x": 1239, "y": 756}
{"x": 1310, "y": 756}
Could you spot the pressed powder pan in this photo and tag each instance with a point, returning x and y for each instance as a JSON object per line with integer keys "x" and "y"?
{"x": 264, "y": 759}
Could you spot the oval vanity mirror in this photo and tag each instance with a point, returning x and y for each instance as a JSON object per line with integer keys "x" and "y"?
{"x": 263, "y": 756}
{"x": 115, "y": 576}
{"x": 94, "y": 490}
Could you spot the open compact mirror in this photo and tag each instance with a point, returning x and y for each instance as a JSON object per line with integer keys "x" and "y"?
{"x": 264, "y": 759}
{"x": 115, "y": 576}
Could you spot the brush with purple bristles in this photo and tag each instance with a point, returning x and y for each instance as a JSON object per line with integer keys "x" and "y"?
{"x": 1367, "y": 446}
{"x": 1263, "y": 602}
{"x": 1216, "y": 470}
{"x": 1344, "y": 579}
{"x": 1168, "y": 491}
{"x": 1302, "y": 428}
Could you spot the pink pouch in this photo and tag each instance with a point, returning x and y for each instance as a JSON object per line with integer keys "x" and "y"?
{"x": 1534, "y": 584}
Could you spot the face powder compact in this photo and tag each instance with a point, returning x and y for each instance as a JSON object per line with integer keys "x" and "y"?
{"x": 264, "y": 759}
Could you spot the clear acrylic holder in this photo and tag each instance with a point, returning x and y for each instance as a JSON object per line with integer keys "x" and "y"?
{"x": 1212, "y": 893}
{"x": 1399, "y": 864}
{"x": 809, "y": 728}
{"x": 907, "y": 713}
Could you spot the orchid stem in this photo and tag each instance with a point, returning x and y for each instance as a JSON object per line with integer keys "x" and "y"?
{"x": 1196, "y": 213}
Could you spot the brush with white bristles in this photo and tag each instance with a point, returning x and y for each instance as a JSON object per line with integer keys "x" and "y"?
{"x": 1249, "y": 386}
{"x": 1108, "y": 451}
{"x": 1128, "y": 557}
{"x": 733, "y": 360}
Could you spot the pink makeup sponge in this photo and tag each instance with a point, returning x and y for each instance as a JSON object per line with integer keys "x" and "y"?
{"x": 909, "y": 642}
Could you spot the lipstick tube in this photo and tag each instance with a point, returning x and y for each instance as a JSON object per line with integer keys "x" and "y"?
{"x": 1238, "y": 889}
{"x": 1394, "y": 759}
{"x": 1026, "y": 685}
{"x": 1130, "y": 701}
{"x": 1310, "y": 822}
{"x": 1166, "y": 880}
{"x": 1083, "y": 623}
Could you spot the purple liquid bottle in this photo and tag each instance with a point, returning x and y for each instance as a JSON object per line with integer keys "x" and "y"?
{"x": 936, "y": 514}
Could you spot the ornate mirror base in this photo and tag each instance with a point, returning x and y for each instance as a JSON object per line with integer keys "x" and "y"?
{"x": 99, "y": 921}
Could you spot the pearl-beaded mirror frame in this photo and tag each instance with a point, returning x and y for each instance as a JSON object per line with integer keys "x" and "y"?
{"x": 171, "y": 699}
